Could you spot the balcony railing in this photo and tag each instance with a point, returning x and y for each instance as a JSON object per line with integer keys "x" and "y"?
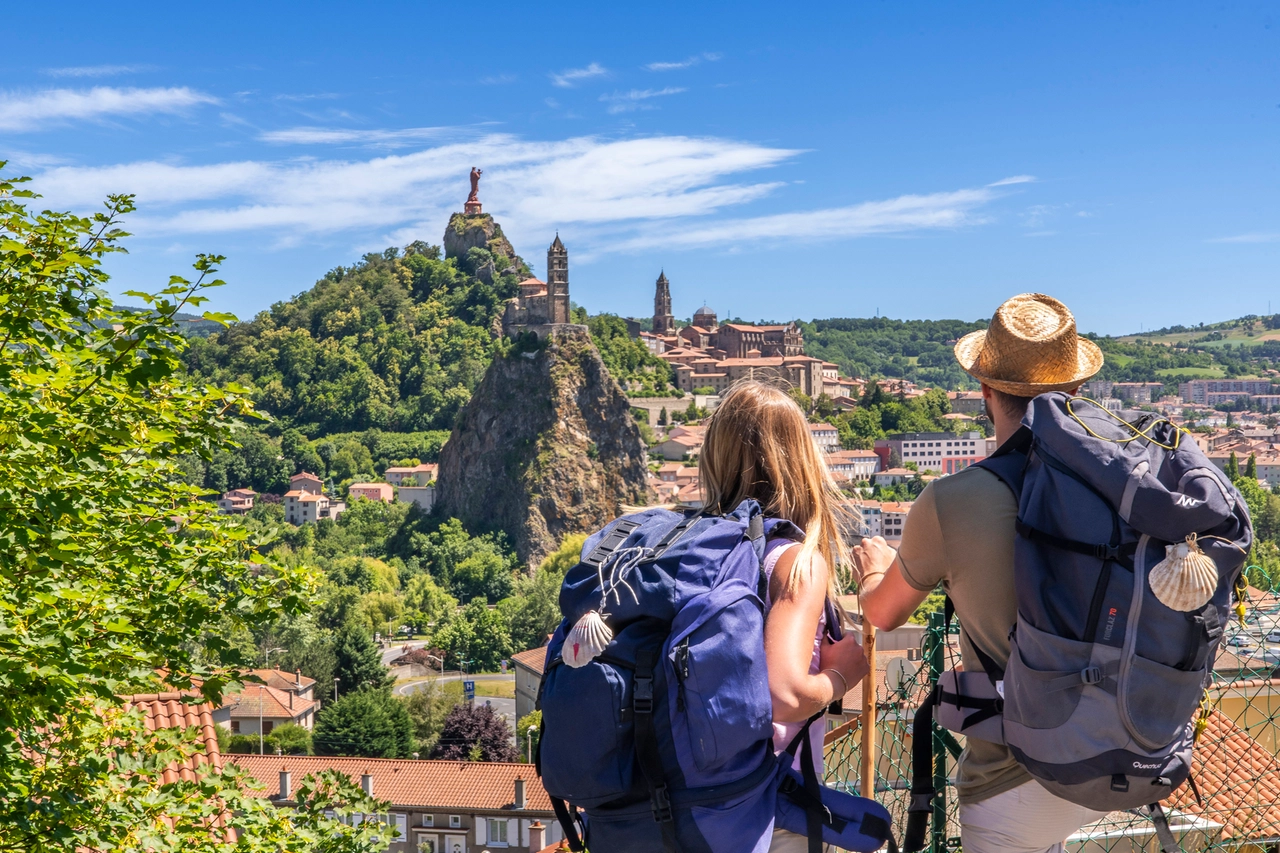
{"x": 1235, "y": 767}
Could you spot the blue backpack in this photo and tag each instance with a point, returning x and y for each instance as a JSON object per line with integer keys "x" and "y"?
{"x": 656, "y": 712}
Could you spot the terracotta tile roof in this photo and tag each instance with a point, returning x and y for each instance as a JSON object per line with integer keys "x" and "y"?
{"x": 428, "y": 785}
{"x": 304, "y": 475}
{"x": 270, "y": 703}
{"x": 282, "y": 680}
{"x": 180, "y": 711}
{"x": 1239, "y": 780}
{"x": 532, "y": 659}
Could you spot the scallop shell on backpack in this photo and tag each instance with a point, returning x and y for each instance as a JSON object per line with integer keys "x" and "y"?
{"x": 1186, "y": 578}
{"x": 586, "y": 640}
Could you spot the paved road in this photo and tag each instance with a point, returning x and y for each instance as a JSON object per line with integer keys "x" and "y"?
{"x": 398, "y": 649}
{"x": 505, "y": 707}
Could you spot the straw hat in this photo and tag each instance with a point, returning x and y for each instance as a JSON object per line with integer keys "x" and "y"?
{"x": 1030, "y": 347}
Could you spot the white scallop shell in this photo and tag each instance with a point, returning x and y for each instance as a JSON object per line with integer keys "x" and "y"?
{"x": 586, "y": 640}
{"x": 1186, "y": 578}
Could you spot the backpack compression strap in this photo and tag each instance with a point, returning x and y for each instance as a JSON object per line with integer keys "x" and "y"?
{"x": 922, "y": 790}
{"x": 647, "y": 755}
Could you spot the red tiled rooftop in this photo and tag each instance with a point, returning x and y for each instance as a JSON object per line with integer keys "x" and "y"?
{"x": 532, "y": 659}
{"x": 175, "y": 710}
{"x": 258, "y": 700}
{"x": 282, "y": 680}
{"x": 428, "y": 785}
{"x": 1239, "y": 780}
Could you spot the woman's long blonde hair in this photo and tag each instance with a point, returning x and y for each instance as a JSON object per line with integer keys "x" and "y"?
{"x": 758, "y": 445}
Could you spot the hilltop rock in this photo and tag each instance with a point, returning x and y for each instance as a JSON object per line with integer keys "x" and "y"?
{"x": 546, "y": 447}
{"x": 477, "y": 231}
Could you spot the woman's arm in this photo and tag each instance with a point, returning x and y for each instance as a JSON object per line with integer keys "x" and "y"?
{"x": 788, "y": 643}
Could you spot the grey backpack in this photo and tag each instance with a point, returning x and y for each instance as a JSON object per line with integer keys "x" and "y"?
{"x": 1104, "y": 680}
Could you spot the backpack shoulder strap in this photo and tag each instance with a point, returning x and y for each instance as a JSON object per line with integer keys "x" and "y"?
{"x": 1009, "y": 462}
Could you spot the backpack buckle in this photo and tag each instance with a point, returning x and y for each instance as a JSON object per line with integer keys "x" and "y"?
{"x": 1106, "y": 552}
{"x": 1091, "y": 675}
{"x": 661, "y": 804}
{"x": 642, "y": 701}
{"x": 922, "y": 802}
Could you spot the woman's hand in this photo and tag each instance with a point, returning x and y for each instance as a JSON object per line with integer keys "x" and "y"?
{"x": 846, "y": 657}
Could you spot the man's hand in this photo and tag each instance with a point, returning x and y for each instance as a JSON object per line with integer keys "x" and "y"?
{"x": 874, "y": 556}
{"x": 887, "y": 600}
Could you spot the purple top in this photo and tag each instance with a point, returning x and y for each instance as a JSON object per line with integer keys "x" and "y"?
{"x": 784, "y": 733}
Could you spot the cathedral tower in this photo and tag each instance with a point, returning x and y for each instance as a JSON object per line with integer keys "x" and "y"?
{"x": 557, "y": 282}
{"x": 663, "y": 322}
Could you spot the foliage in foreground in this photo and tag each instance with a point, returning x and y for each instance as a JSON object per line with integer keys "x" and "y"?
{"x": 111, "y": 568}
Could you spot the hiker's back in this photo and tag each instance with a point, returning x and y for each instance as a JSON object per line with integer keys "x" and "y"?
{"x": 961, "y": 533}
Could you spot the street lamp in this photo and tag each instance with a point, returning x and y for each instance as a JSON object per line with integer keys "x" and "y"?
{"x": 267, "y": 657}
{"x": 336, "y": 679}
{"x": 529, "y": 735}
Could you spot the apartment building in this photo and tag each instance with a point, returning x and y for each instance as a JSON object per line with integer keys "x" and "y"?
{"x": 372, "y": 492}
{"x": 236, "y": 501}
{"x": 825, "y": 436}
{"x": 943, "y": 452}
{"x": 853, "y": 465}
{"x": 419, "y": 474}
{"x": 1225, "y": 390}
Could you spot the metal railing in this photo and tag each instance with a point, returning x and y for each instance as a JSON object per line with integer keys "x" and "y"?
{"x": 1235, "y": 769}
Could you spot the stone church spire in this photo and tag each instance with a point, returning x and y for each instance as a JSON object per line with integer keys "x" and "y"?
{"x": 557, "y": 282}
{"x": 663, "y": 322}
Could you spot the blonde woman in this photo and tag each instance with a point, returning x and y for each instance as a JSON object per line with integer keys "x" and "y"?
{"x": 758, "y": 446}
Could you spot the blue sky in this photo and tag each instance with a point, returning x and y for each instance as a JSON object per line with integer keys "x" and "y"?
{"x": 920, "y": 160}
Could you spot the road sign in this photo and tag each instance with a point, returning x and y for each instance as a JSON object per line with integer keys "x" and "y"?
{"x": 469, "y": 691}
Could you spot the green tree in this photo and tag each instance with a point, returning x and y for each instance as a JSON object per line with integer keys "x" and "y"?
{"x": 1251, "y": 467}
{"x": 803, "y": 400}
{"x": 662, "y": 417}
{"x": 358, "y": 662}
{"x": 528, "y": 732}
{"x": 428, "y": 706}
{"x": 289, "y": 739}
{"x": 534, "y": 611}
{"x": 113, "y": 568}
{"x": 426, "y": 603}
{"x": 1233, "y": 467}
{"x": 367, "y": 723}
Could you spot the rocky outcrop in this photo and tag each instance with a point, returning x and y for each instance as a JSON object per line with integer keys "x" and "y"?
{"x": 477, "y": 231}
{"x": 546, "y": 447}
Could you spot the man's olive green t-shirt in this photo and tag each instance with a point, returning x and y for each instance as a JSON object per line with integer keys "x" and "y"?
{"x": 960, "y": 534}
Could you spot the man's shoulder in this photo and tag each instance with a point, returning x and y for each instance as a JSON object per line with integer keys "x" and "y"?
{"x": 975, "y": 486}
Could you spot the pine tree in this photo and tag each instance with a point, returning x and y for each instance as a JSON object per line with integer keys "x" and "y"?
{"x": 1233, "y": 467}
{"x": 359, "y": 663}
{"x": 367, "y": 723}
{"x": 662, "y": 417}
{"x": 1251, "y": 467}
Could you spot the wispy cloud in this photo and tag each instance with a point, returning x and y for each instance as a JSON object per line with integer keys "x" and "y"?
{"x": 671, "y": 192}
{"x": 570, "y": 76}
{"x": 904, "y": 214}
{"x": 1252, "y": 237}
{"x": 97, "y": 70}
{"x": 346, "y": 136}
{"x": 687, "y": 63}
{"x": 497, "y": 79}
{"x": 308, "y": 96}
{"x": 33, "y": 111}
{"x": 1016, "y": 179}
{"x": 622, "y": 102}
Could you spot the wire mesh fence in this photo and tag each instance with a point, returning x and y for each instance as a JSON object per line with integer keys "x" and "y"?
{"x": 1235, "y": 803}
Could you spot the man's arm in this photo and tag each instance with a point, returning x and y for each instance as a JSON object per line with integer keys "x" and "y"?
{"x": 887, "y": 600}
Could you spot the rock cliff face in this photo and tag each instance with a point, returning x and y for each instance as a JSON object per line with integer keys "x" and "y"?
{"x": 467, "y": 232}
{"x": 546, "y": 447}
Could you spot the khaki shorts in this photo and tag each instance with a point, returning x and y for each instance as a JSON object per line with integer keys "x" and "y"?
{"x": 1025, "y": 819}
{"x": 790, "y": 842}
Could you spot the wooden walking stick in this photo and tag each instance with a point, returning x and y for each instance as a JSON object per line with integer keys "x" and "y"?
{"x": 868, "y": 773}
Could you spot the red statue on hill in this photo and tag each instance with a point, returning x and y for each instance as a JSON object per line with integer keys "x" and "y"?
{"x": 473, "y": 200}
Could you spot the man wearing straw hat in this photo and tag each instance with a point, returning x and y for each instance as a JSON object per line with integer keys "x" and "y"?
{"x": 960, "y": 533}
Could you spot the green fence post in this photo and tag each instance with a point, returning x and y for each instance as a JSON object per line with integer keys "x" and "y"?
{"x": 936, "y": 645}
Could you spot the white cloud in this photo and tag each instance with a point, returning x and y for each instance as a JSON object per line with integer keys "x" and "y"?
{"x": 27, "y": 112}
{"x": 339, "y": 136}
{"x": 616, "y": 195}
{"x": 497, "y": 79}
{"x": 1016, "y": 179}
{"x": 97, "y": 70}
{"x": 1253, "y": 237}
{"x": 899, "y": 215}
{"x": 688, "y": 63}
{"x": 622, "y": 102}
{"x": 570, "y": 76}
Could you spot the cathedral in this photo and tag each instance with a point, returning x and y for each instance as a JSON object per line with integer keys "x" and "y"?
{"x": 542, "y": 303}
{"x": 713, "y": 355}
